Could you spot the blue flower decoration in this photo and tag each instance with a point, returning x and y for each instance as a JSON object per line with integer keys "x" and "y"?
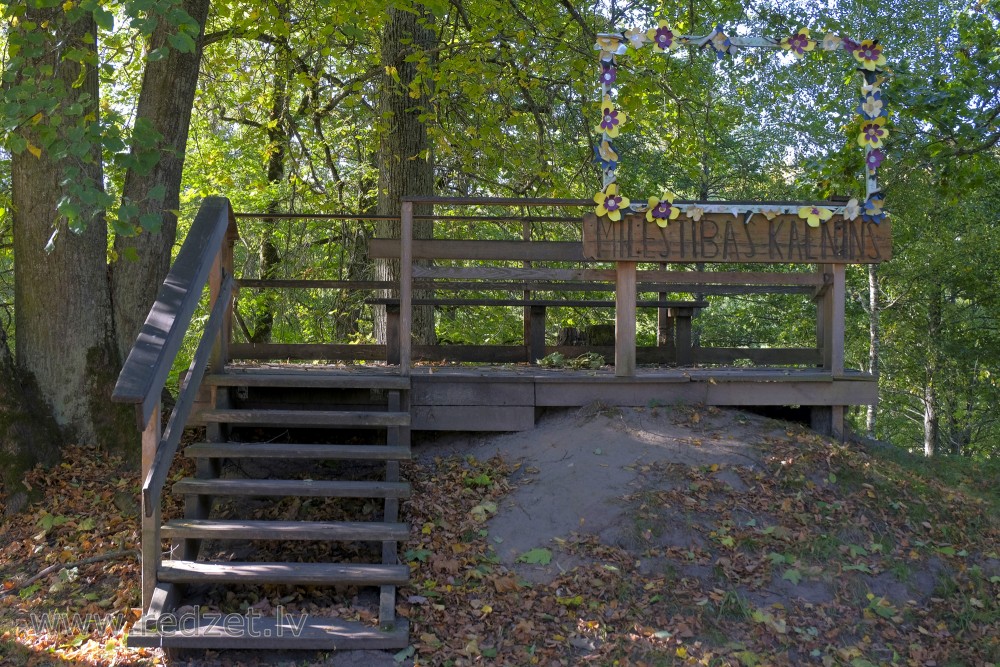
{"x": 605, "y": 155}
{"x": 873, "y": 211}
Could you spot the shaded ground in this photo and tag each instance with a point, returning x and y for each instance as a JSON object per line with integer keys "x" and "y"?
{"x": 651, "y": 536}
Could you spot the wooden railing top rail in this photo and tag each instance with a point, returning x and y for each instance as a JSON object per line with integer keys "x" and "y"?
{"x": 556, "y": 202}
{"x": 148, "y": 364}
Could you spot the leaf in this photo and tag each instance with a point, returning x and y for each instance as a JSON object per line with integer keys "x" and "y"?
{"x": 793, "y": 576}
{"x": 404, "y": 654}
{"x": 540, "y": 556}
{"x": 29, "y": 591}
{"x": 35, "y": 150}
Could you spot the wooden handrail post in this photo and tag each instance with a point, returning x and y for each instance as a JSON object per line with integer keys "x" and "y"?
{"x": 838, "y": 298}
{"x": 625, "y": 297}
{"x": 405, "y": 287}
{"x": 150, "y": 516}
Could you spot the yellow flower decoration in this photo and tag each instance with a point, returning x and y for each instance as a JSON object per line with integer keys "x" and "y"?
{"x": 636, "y": 36}
{"x": 770, "y": 213}
{"x": 813, "y": 215}
{"x": 610, "y": 46}
{"x": 662, "y": 210}
{"x": 799, "y": 43}
{"x": 869, "y": 54}
{"x": 852, "y": 210}
{"x": 831, "y": 42}
{"x": 610, "y": 203}
{"x": 695, "y": 212}
{"x": 873, "y": 133}
{"x": 611, "y": 118}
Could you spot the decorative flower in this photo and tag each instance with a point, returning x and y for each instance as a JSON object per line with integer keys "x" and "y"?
{"x": 849, "y": 45}
{"x": 813, "y": 215}
{"x": 799, "y": 43}
{"x": 873, "y": 133}
{"x": 874, "y": 159}
{"x": 608, "y": 74}
{"x": 721, "y": 43}
{"x": 610, "y": 203}
{"x": 662, "y": 209}
{"x": 662, "y": 38}
{"x": 611, "y": 118}
{"x": 873, "y": 211}
{"x": 610, "y": 45}
{"x": 695, "y": 212}
{"x": 871, "y": 106}
{"x": 869, "y": 54}
{"x": 852, "y": 210}
{"x": 831, "y": 42}
{"x": 605, "y": 155}
{"x": 770, "y": 213}
{"x": 636, "y": 36}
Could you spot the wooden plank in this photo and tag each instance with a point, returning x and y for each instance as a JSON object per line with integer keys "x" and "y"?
{"x": 304, "y": 378}
{"x": 576, "y": 286}
{"x": 406, "y": 255}
{"x": 550, "y": 303}
{"x": 286, "y": 633}
{"x": 534, "y": 337}
{"x": 263, "y": 450}
{"x": 734, "y": 393}
{"x": 165, "y": 597}
{"x": 446, "y": 393}
{"x": 496, "y": 201}
{"x": 837, "y": 326}
{"x": 284, "y": 351}
{"x": 330, "y": 531}
{"x": 511, "y": 273}
{"x": 304, "y": 574}
{"x": 306, "y": 418}
{"x": 156, "y": 477}
{"x": 472, "y": 418}
{"x": 625, "y": 306}
{"x": 719, "y": 237}
{"x": 544, "y": 251}
{"x": 316, "y": 284}
{"x": 149, "y": 361}
{"x": 291, "y": 487}
{"x": 506, "y": 354}
{"x": 769, "y": 356}
{"x": 658, "y": 277}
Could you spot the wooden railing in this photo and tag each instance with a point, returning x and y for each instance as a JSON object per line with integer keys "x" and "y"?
{"x": 205, "y": 258}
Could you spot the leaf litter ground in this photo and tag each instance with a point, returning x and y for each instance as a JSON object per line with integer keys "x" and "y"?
{"x": 658, "y": 536}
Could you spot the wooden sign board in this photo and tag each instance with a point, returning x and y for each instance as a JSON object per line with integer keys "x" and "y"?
{"x": 723, "y": 237}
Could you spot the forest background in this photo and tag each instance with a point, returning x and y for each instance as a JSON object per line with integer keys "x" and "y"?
{"x": 318, "y": 106}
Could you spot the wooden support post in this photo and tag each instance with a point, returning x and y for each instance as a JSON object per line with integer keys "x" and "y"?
{"x": 150, "y": 520}
{"x": 392, "y": 342}
{"x": 625, "y": 319}
{"x": 535, "y": 340}
{"x": 684, "y": 353}
{"x": 838, "y": 298}
{"x": 405, "y": 287}
{"x": 390, "y": 550}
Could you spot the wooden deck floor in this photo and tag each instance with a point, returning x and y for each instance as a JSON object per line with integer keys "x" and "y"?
{"x": 509, "y": 397}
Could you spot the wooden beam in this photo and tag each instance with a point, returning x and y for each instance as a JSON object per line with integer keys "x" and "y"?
{"x": 546, "y": 251}
{"x": 625, "y": 319}
{"x": 149, "y": 362}
{"x": 406, "y": 254}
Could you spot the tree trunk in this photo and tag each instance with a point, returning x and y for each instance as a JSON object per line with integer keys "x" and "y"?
{"x": 270, "y": 256}
{"x": 165, "y": 102}
{"x": 28, "y": 434}
{"x": 62, "y": 295}
{"x": 934, "y": 323}
{"x": 405, "y": 163}
{"x": 874, "y": 343}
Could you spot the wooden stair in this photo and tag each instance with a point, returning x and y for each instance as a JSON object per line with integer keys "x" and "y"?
{"x": 162, "y": 628}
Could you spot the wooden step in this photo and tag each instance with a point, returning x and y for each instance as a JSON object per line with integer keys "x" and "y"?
{"x": 304, "y": 574}
{"x": 265, "y": 450}
{"x": 292, "y": 487}
{"x": 328, "y": 531}
{"x": 306, "y": 379}
{"x": 285, "y": 632}
{"x": 331, "y": 531}
{"x": 306, "y": 418}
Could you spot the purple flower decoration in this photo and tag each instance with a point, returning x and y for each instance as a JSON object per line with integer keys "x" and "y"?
{"x": 850, "y": 45}
{"x": 874, "y": 160}
{"x": 610, "y": 120}
{"x": 873, "y": 211}
{"x": 664, "y": 38}
{"x": 662, "y": 210}
{"x": 608, "y": 74}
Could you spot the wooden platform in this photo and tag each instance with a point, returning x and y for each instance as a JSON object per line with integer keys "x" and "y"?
{"x": 509, "y": 398}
